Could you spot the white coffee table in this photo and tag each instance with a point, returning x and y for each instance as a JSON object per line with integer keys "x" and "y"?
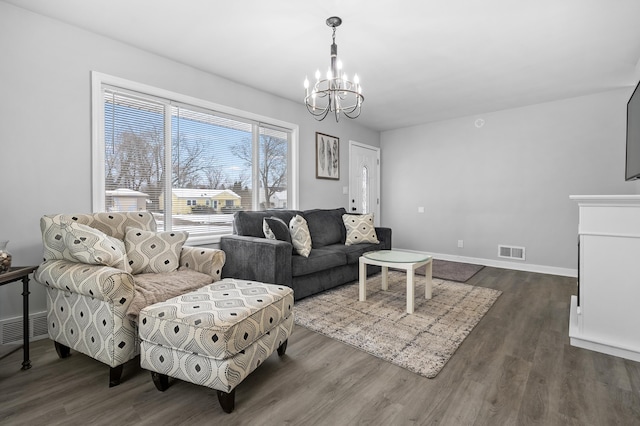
{"x": 408, "y": 261}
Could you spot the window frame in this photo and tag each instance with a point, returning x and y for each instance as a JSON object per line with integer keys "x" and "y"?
{"x": 98, "y": 80}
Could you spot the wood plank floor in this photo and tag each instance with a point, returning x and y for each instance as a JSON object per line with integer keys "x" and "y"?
{"x": 515, "y": 368}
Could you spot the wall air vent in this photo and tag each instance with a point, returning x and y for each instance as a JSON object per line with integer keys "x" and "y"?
{"x": 11, "y": 328}
{"x": 510, "y": 252}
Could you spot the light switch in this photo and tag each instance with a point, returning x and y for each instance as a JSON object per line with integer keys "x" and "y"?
{"x": 420, "y": 209}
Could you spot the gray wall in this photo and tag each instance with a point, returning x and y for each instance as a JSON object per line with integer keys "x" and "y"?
{"x": 45, "y": 154}
{"x": 507, "y": 182}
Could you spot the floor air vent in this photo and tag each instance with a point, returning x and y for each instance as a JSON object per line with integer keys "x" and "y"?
{"x": 511, "y": 252}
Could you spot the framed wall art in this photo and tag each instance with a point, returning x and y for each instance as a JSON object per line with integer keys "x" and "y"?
{"x": 327, "y": 157}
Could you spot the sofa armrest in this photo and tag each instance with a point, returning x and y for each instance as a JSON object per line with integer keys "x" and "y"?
{"x": 257, "y": 259}
{"x": 384, "y": 236}
{"x": 97, "y": 281}
{"x": 206, "y": 260}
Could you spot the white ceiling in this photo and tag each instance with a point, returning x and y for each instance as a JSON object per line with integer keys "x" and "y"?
{"x": 418, "y": 60}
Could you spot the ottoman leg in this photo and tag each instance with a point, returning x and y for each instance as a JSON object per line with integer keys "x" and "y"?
{"x": 160, "y": 380}
{"x": 62, "y": 350}
{"x": 282, "y": 348}
{"x": 227, "y": 400}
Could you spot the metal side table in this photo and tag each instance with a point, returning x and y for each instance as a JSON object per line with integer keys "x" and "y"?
{"x": 15, "y": 274}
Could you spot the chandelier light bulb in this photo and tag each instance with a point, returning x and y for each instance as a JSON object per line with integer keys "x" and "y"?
{"x": 317, "y": 74}
{"x": 356, "y": 79}
{"x": 306, "y": 83}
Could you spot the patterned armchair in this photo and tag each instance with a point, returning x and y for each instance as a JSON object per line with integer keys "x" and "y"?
{"x": 91, "y": 280}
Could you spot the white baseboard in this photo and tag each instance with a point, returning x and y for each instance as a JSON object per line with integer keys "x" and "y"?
{"x": 11, "y": 328}
{"x": 518, "y": 266}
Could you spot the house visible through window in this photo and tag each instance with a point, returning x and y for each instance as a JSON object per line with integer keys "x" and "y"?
{"x": 191, "y": 166}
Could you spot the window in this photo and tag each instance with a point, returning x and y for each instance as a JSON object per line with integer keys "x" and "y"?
{"x": 365, "y": 189}
{"x": 169, "y": 152}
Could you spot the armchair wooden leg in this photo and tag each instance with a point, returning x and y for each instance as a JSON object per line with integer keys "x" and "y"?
{"x": 62, "y": 350}
{"x": 282, "y": 348}
{"x": 227, "y": 400}
{"x": 115, "y": 374}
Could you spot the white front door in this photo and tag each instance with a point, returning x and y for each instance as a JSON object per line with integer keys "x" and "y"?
{"x": 364, "y": 183}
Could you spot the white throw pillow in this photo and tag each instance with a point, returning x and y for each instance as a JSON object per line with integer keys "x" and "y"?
{"x": 92, "y": 246}
{"x": 153, "y": 252}
{"x": 300, "y": 236}
{"x": 360, "y": 229}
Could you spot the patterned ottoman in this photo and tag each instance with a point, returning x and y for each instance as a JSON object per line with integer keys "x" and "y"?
{"x": 217, "y": 335}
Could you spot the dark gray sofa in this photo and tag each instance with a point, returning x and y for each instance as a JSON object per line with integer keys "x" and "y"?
{"x": 251, "y": 256}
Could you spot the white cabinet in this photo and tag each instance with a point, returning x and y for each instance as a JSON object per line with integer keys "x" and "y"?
{"x": 605, "y": 315}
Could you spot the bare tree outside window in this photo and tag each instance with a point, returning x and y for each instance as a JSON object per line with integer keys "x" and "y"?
{"x": 272, "y": 164}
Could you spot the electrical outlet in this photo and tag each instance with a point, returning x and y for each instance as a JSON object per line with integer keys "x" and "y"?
{"x": 460, "y": 244}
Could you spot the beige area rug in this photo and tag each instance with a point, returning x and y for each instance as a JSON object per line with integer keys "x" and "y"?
{"x": 421, "y": 342}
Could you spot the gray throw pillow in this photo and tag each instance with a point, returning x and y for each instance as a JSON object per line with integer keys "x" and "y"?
{"x": 276, "y": 229}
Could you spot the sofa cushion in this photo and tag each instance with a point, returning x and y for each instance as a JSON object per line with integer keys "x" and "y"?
{"x": 353, "y": 252}
{"x": 276, "y": 229}
{"x": 360, "y": 229}
{"x": 154, "y": 251}
{"x": 319, "y": 260}
{"x": 250, "y": 223}
{"x": 300, "y": 237}
{"x": 91, "y": 246}
{"x": 325, "y": 226}
{"x": 153, "y": 288}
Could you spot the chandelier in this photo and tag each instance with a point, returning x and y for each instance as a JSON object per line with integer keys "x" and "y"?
{"x": 335, "y": 93}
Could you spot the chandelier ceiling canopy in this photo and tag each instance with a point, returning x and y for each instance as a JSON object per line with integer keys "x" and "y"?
{"x": 335, "y": 93}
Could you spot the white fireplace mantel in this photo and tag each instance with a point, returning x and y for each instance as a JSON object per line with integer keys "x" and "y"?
{"x": 605, "y": 315}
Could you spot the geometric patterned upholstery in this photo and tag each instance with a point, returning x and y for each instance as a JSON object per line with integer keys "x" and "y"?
{"x": 91, "y": 326}
{"x": 87, "y": 304}
{"x": 150, "y": 252}
{"x": 91, "y": 246}
{"x": 360, "y": 229}
{"x": 300, "y": 236}
{"x": 203, "y": 260}
{"x": 216, "y": 335}
{"x": 102, "y": 282}
{"x": 112, "y": 224}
